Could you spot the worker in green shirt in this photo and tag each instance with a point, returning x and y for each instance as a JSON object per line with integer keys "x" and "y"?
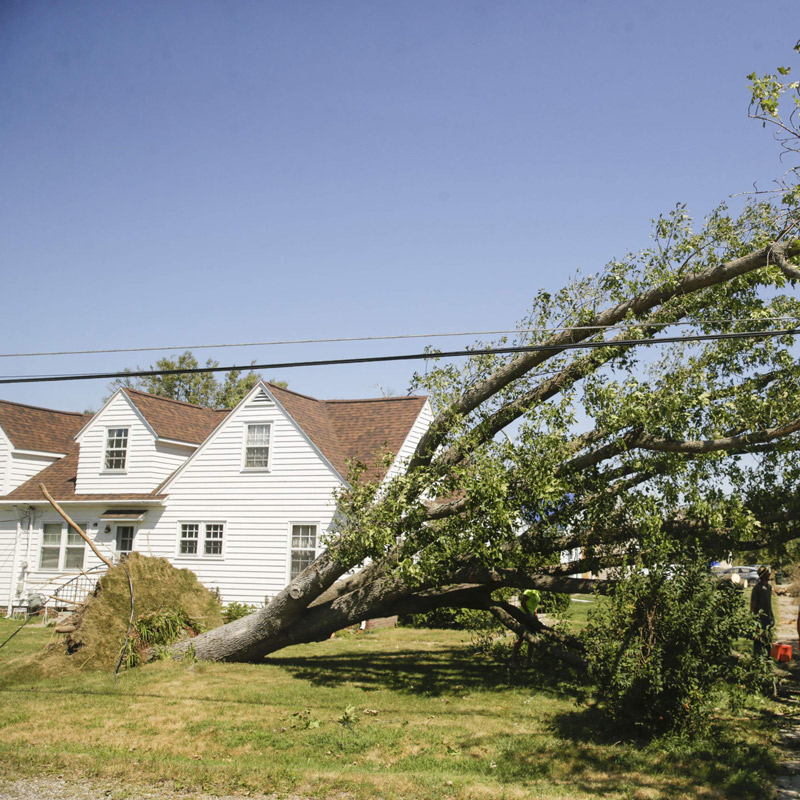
{"x": 529, "y": 601}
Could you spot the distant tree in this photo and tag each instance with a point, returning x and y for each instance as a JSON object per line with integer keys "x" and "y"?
{"x": 200, "y": 388}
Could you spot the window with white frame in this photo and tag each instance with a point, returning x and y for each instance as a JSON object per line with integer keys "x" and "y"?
{"x": 125, "y": 539}
{"x": 212, "y": 545}
{"x": 62, "y": 547}
{"x": 189, "y": 538}
{"x": 116, "y": 448}
{"x": 304, "y": 548}
{"x": 190, "y": 533}
{"x": 256, "y": 445}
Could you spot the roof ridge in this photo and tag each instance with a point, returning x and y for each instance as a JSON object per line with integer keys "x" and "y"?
{"x": 378, "y": 399}
{"x": 183, "y": 403}
{"x": 291, "y": 391}
{"x": 42, "y": 408}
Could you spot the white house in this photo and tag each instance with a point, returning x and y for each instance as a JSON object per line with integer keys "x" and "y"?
{"x": 241, "y": 497}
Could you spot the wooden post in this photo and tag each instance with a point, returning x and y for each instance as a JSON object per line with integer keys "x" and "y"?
{"x": 74, "y": 527}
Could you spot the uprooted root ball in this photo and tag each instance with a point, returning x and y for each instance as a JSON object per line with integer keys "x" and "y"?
{"x": 169, "y": 604}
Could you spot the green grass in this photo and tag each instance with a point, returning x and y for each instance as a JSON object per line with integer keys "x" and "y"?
{"x": 393, "y": 714}
{"x": 578, "y": 611}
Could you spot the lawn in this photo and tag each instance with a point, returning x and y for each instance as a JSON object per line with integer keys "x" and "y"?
{"x": 396, "y": 713}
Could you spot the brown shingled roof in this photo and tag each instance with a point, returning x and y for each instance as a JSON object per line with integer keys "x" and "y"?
{"x": 42, "y": 429}
{"x": 347, "y": 430}
{"x": 59, "y": 478}
{"x": 174, "y": 419}
{"x": 343, "y": 430}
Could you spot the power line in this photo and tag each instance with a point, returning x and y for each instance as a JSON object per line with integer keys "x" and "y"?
{"x": 341, "y": 339}
{"x": 406, "y": 357}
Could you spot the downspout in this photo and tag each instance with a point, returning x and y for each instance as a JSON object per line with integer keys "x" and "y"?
{"x": 32, "y": 511}
{"x": 12, "y": 586}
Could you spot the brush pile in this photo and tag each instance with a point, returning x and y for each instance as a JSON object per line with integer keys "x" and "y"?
{"x": 169, "y": 604}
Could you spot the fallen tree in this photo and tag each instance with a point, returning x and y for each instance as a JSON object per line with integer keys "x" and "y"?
{"x": 654, "y": 401}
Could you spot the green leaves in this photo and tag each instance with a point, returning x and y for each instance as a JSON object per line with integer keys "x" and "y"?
{"x": 663, "y": 642}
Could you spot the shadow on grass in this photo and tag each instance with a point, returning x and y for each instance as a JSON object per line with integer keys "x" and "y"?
{"x": 441, "y": 672}
{"x": 730, "y": 758}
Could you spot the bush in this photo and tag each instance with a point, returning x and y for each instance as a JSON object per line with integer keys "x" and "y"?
{"x": 236, "y": 611}
{"x": 662, "y": 643}
{"x": 554, "y": 603}
{"x": 461, "y": 619}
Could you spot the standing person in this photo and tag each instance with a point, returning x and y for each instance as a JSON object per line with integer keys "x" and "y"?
{"x": 761, "y": 607}
{"x": 529, "y": 602}
{"x": 798, "y": 629}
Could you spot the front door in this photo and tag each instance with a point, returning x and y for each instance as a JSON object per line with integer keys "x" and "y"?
{"x": 125, "y": 535}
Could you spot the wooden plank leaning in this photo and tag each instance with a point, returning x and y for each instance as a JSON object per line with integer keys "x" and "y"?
{"x": 74, "y": 527}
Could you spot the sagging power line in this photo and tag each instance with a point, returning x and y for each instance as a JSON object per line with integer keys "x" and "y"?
{"x": 406, "y": 356}
{"x": 392, "y": 337}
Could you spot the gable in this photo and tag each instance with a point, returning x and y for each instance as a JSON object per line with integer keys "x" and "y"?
{"x": 294, "y": 459}
{"x": 353, "y": 430}
{"x": 146, "y": 460}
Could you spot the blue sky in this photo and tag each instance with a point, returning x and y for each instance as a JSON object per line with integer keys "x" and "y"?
{"x": 198, "y": 172}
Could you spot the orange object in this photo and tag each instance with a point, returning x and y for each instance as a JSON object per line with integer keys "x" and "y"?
{"x": 781, "y": 652}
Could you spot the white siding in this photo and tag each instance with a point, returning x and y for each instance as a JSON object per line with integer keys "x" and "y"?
{"x": 5, "y": 463}
{"x": 8, "y": 532}
{"x": 16, "y": 467}
{"x": 421, "y": 424}
{"x": 23, "y": 467}
{"x": 147, "y": 464}
{"x": 257, "y": 507}
{"x": 46, "y": 581}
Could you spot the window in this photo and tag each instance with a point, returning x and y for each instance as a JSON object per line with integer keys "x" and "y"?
{"x": 213, "y": 542}
{"x": 116, "y": 448}
{"x": 189, "y": 541}
{"x": 304, "y": 548}
{"x": 256, "y": 446}
{"x": 189, "y": 535}
{"x": 124, "y": 539}
{"x": 51, "y": 546}
{"x": 74, "y": 550}
{"x": 62, "y": 547}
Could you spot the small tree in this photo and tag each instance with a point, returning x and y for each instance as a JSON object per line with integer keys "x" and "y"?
{"x": 200, "y": 388}
{"x": 663, "y": 641}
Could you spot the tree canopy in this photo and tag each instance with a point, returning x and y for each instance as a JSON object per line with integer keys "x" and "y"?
{"x": 647, "y": 404}
{"x": 200, "y": 388}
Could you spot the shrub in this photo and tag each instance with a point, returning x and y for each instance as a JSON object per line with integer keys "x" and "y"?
{"x": 662, "y": 643}
{"x": 554, "y": 603}
{"x": 236, "y": 611}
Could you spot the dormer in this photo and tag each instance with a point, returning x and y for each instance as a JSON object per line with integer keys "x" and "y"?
{"x": 138, "y": 440}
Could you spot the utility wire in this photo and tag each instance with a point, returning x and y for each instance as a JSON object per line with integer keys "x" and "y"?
{"x": 407, "y": 356}
{"x": 379, "y": 338}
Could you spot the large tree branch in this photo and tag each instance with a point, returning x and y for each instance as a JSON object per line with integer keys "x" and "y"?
{"x": 739, "y": 443}
{"x": 636, "y": 307}
{"x": 785, "y": 266}
{"x": 749, "y": 442}
{"x": 503, "y": 613}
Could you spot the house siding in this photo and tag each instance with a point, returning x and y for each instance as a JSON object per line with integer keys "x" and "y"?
{"x": 205, "y": 484}
{"x": 8, "y": 533}
{"x": 421, "y": 424}
{"x": 148, "y": 463}
{"x": 46, "y": 582}
{"x": 256, "y": 507}
{"x": 22, "y": 468}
